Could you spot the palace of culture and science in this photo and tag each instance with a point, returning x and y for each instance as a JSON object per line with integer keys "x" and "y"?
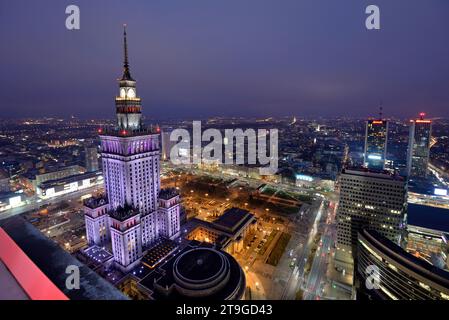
{"x": 135, "y": 212}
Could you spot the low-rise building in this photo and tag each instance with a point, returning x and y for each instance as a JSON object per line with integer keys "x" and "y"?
{"x": 227, "y": 232}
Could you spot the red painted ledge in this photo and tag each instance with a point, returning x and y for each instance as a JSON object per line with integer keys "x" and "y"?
{"x": 32, "y": 280}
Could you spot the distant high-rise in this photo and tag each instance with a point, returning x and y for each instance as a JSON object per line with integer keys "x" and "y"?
{"x": 419, "y": 147}
{"x": 373, "y": 200}
{"x": 376, "y": 137}
{"x": 4, "y": 181}
{"x": 91, "y": 158}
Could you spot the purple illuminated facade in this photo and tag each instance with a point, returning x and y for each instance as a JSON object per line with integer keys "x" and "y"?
{"x": 136, "y": 215}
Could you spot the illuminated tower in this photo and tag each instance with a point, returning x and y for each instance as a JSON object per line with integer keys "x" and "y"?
{"x": 168, "y": 213}
{"x": 128, "y": 105}
{"x": 131, "y": 168}
{"x": 376, "y": 137}
{"x": 419, "y": 147}
{"x": 130, "y": 155}
{"x": 97, "y": 221}
{"x": 126, "y": 236}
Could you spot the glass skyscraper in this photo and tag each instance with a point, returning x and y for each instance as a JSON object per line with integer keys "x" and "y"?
{"x": 376, "y": 144}
{"x": 419, "y": 147}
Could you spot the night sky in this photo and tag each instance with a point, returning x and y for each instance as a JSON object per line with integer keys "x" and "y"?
{"x": 201, "y": 58}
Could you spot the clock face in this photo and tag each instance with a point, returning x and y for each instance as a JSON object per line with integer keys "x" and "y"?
{"x": 131, "y": 93}
{"x": 122, "y": 93}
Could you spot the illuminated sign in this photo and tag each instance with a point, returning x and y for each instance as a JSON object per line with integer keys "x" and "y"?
{"x": 374, "y": 157}
{"x": 15, "y": 201}
{"x": 304, "y": 177}
{"x": 378, "y": 122}
{"x": 423, "y": 121}
{"x": 440, "y": 192}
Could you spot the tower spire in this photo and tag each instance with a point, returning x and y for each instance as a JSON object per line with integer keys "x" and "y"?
{"x": 126, "y": 73}
{"x": 381, "y": 109}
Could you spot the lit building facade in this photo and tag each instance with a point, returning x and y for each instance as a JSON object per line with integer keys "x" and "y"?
{"x": 169, "y": 213}
{"x": 131, "y": 166}
{"x": 394, "y": 273}
{"x": 97, "y": 221}
{"x": 4, "y": 181}
{"x": 419, "y": 147}
{"x": 376, "y": 137}
{"x": 372, "y": 200}
{"x": 126, "y": 237}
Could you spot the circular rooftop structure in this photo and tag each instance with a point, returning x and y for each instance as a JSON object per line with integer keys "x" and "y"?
{"x": 200, "y": 265}
{"x": 207, "y": 272}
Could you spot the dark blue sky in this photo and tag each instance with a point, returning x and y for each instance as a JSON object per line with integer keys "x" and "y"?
{"x": 199, "y": 58}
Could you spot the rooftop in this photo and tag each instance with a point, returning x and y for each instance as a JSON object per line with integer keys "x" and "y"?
{"x": 233, "y": 219}
{"x": 11, "y": 289}
{"x": 95, "y": 202}
{"x": 116, "y": 132}
{"x": 159, "y": 251}
{"x": 123, "y": 213}
{"x": 198, "y": 271}
{"x": 74, "y": 178}
{"x": 52, "y": 260}
{"x": 379, "y": 174}
{"x": 168, "y": 193}
{"x": 98, "y": 254}
{"x": 199, "y": 264}
{"x": 428, "y": 217}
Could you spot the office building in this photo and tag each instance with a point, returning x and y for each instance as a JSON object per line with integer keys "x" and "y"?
{"x": 376, "y": 137}
{"x": 428, "y": 233}
{"x": 4, "y": 181}
{"x": 373, "y": 200}
{"x": 419, "y": 147}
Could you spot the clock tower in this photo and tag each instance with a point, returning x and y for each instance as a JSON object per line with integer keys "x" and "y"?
{"x": 128, "y": 105}
{"x": 129, "y": 218}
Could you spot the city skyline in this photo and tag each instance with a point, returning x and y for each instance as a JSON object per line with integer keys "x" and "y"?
{"x": 160, "y": 205}
{"x": 311, "y": 59}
